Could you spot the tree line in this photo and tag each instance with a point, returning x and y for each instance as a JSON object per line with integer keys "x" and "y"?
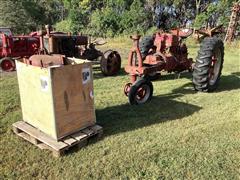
{"x": 112, "y": 17}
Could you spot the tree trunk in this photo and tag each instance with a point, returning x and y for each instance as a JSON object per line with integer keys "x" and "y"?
{"x": 198, "y": 3}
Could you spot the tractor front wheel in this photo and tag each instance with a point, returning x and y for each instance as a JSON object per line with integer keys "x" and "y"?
{"x": 7, "y": 64}
{"x": 141, "y": 91}
{"x": 208, "y": 67}
{"x": 110, "y": 63}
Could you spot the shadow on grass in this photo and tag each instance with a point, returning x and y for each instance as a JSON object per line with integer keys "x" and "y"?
{"x": 174, "y": 76}
{"x": 122, "y": 118}
{"x": 97, "y": 73}
{"x": 226, "y": 83}
{"x": 230, "y": 82}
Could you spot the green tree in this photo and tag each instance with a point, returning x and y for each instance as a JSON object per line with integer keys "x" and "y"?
{"x": 105, "y": 22}
{"x": 215, "y": 13}
{"x": 15, "y": 18}
{"x": 136, "y": 19}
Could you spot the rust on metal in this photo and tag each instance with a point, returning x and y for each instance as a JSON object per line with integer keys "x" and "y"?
{"x": 45, "y": 61}
{"x": 168, "y": 53}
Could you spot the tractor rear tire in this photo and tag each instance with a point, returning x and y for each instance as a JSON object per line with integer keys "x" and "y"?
{"x": 141, "y": 92}
{"x": 7, "y": 64}
{"x": 145, "y": 45}
{"x": 208, "y": 67}
{"x": 110, "y": 63}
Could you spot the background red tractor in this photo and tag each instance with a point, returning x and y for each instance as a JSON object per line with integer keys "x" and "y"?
{"x": 12, "y": 47}
{"x": 80, "y": 46}
{"x": 167, "y": 52}
{"x": 51, "y": 42}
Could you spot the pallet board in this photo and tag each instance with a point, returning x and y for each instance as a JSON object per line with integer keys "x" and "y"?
{"x": 59, "y": 148}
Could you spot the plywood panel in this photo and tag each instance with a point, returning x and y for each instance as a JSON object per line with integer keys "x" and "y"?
{"x": 73, "y": 98}
{"x": 57, "y": 100}
{"x": 36, "y": 97}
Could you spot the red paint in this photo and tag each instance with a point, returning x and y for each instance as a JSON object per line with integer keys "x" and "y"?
{"x": 168, "y": 54}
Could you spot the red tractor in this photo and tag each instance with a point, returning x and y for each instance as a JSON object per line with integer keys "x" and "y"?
{"x": 15, "y": 47}
{"x": 51, "y": 42}
{"x": 167, "y": 52}
{"x": 80, "y": 46}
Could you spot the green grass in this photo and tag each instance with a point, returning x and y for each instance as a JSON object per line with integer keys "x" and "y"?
{"x": 179, "y": 134}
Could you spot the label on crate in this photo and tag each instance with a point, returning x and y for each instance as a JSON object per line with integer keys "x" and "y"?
{"x": 44, "y": 83}
{"x": 86, "y": 75}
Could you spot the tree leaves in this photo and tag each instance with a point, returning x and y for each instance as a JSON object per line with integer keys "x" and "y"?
{"x": 112, "y": 17}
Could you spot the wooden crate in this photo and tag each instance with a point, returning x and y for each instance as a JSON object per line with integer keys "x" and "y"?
{"x": 57, "y": 100}
{"x": 58, "y": 148}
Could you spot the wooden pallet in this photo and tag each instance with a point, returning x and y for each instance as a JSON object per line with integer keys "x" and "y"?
{"x": 58, "y": 148}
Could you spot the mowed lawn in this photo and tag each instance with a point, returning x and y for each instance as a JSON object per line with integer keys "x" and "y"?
{"x": 180, "y": 134}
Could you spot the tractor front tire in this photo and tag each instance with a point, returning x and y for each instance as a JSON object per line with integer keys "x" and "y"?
{"x": 7, "y": 64}
{"x": 208, "y": 67}
{"x": 141, "y": 92}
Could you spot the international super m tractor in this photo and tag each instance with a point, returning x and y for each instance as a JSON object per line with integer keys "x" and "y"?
{"x": 166, "y": 51}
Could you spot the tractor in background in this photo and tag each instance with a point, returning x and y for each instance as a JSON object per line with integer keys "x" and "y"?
{"x": 13, "y": 47}
{"x": 166, "y": 51}
{"x": 80, "y": 46}
{"x": 50, "y": 42}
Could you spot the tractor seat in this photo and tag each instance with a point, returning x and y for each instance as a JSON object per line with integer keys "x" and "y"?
{"x": 183, "y": 33}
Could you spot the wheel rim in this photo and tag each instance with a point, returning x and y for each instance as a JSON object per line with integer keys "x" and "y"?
{"x": 215, "y": 67}
{"x": 7, "y": 65}
{"x": 143, "y": 94}
{"x": 127, "y": 88}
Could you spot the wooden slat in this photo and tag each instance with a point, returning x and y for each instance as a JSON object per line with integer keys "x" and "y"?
{"x": 79, "y": 136}
{"x": 69, "y": 140}
{"x": 27, "y": 137}
{"x": 43, "y": 146}
{"x": 88, "y": 131}
{"x": 57, "y": 145}
{"x": 58, "y": 148}
{"x": 96, "y": 128}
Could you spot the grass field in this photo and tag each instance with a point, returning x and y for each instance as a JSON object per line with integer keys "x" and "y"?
{"x": 180, "y": 134}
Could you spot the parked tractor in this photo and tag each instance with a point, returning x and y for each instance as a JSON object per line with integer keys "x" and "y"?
{"x": 51, "y": 42}
{"x": 12, "y": 47}
{"x": 167, "y": 52}
{"x": 80, "y": 46}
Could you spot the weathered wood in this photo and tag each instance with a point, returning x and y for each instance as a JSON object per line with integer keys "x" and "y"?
{"x": 79, "y": 136}
{"x": 58, "y": 148}
{"x": 57, "y": 100}
{"x": 88, "y": 131}
{"x": 96, "y": 128}
{"x": 73, "y": 103}
{"x": 69, "y": 140}
{"x": 28, "y": 138}
{"x": 57, "y": 145}
{"x": 36, "y": 97}
{"x": 43, "y": 146}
